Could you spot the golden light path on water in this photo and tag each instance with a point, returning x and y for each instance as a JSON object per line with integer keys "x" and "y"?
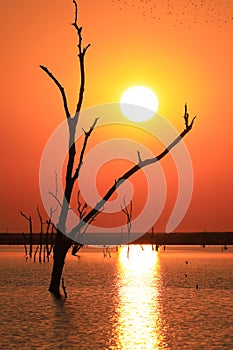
{"x": 139, "y": 314}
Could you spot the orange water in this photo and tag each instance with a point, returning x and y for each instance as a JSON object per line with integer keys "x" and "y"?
{"x": 173, "y": 299}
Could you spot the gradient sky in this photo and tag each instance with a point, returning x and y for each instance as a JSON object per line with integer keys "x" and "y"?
{"x": 182, "y": 51}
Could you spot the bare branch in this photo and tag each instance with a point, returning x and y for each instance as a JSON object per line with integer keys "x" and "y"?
{"x": 94, "y": 216}
{"x": 29, "y": 219}
{"x": 87, "y": 135}
{"x": 132, "y": 171}
{"x": 41, "y": 226}
{"x": 93, "y": 219}
{"x": 139, "y": 157}
{"x": 25, "y": 216}
{"x": 81, "y": 208}
{"x": 76, "y": 12}
{"x": 128, "y": 212}
{"x": 60, "y": 87}
{"x": 52, "y": 211}
{"x": 39, "y": 214}
{"x": 83, "y": 50}
{"x": 186, "y": 118}
{"x": 192, "y": 122}
{"x": 81, "y": 54}
{"x": 55, "y": 197}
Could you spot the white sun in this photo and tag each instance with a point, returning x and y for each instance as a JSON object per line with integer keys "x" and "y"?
{"x": 139, "y": 103}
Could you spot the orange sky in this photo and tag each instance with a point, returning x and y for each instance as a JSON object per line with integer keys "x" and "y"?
{"x": 182, "y": 51}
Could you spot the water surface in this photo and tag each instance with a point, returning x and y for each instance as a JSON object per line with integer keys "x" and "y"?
{"x": 175, "y": 299}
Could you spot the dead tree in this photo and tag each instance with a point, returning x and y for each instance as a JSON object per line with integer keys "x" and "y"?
{"x": 152, "y": 237}
{"x": 62, "y": 242}
{"x": 46, "y": 249}
{"x": 29, "y": 219}
{"x": 127, "y": 210}
{"x": 41, "y": 234}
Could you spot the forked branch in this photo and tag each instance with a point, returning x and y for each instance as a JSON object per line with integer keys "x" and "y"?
{"x": 81, "y": 54}
{"x": 55, "y": 195}
{"x": 127, "y": 210}
{"x": 29, "y": 219}
{"x": 87, "y": 135}
{"x": 141, "y": 164}
{"x": 72, "y": 175}
{"x": 81, "y": 207}
{"x": 186, "y": 118}
{"x": 25, "y": 216}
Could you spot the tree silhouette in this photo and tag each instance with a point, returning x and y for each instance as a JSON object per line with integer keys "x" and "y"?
{"x": 62, "y": 242}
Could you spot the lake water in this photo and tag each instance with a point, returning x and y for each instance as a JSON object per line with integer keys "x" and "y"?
{"x": 180, "y": 298}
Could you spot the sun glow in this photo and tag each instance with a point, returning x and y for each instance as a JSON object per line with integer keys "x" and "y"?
{"x": 138, "y": 258}
{"x": 139, "y": 103}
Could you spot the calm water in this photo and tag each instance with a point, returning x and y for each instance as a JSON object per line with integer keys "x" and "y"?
{"x": 148, "y": 300}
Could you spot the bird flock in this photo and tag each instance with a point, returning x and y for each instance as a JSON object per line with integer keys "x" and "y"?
{"x": 184, "y": 12}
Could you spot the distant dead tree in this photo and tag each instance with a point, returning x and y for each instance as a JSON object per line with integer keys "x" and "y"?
{"x": 41, "y": 234}
{"x": 43, "y": 247}
{"x": 62, "y": 242}
{"x": 152, "y": 237}
{"x": 29, "y": 219}
{"x": 128, "y": 211}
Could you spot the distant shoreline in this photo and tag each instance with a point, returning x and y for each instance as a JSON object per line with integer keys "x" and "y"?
{"x": 175, "y": 238}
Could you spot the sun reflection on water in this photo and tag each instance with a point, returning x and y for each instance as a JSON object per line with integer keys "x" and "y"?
{"x": 139, "y": 319}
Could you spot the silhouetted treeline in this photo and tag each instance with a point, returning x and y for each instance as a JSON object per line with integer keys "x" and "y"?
{"x": 187, "y": 238}
{"x": 178, "y": 238}
{"x": 24, "y": 239}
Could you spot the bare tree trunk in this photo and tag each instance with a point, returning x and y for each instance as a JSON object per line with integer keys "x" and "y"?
{"x": 62, "y": 245}
{"x": 29, "y": 219}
